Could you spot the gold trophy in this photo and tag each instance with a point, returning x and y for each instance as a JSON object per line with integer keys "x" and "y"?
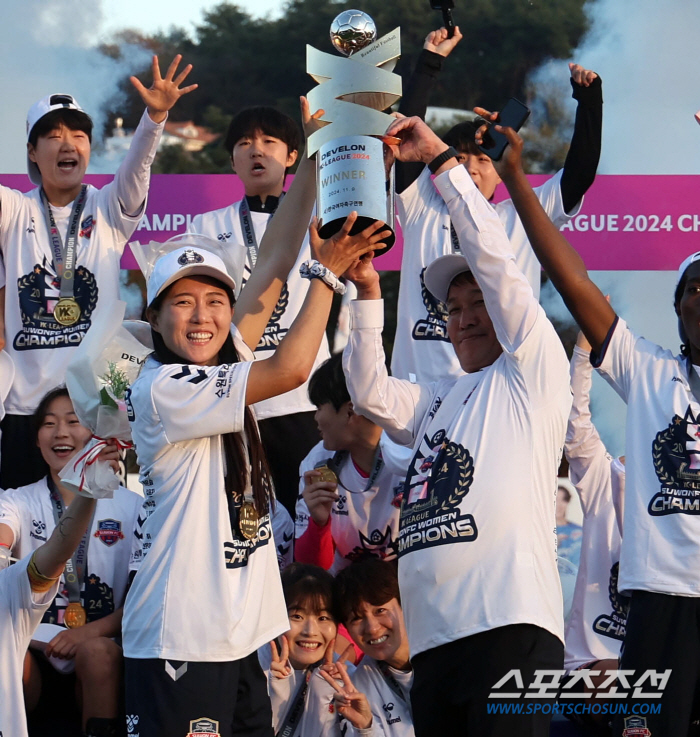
{"x": 354, "y": 166}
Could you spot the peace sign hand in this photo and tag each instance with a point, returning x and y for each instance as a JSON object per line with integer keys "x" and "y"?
{"x": 350, "y": 703}
{"x": 331, "y": 667}
{"x": 279, "y": 665}
{"x": 164, "y": 92}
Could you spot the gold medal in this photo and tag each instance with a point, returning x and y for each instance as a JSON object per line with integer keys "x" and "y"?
{"x": 327, "y": 475}
{"x": 67, "y": 311}
{"x": 248, "y": 520}
{"x": 74, "y": 616}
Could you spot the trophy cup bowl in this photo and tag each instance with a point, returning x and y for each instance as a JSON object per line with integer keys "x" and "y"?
{"x": 351, "y": 31}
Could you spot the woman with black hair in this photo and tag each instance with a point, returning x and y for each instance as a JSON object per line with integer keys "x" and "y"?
{"x": 208, "y": 593}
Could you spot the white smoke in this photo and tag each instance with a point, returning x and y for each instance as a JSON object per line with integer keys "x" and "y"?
{"x": 646, "y": 54}
{"x": 49, "y": 46}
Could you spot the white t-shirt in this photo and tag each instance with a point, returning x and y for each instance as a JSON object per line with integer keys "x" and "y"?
{"x": 319, "y": 718}
{"x": 421, "y": 348}
{"x": 477, "y": 542}
{"x": 28, "y": 512}
{"x": 363, "y": 521}
{"x": 20, "y": 614}
{"x": 660, "y": 550}
{"x": 597, "y": 623}
{"x": 40, "y": 347}
{"x": 200, "y": 593}
{"x": 224, "y": 225}
{"x": 391, "y": 711}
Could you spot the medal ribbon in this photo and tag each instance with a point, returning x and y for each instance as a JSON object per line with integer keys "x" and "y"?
{"x": 64, "y": 253}
{"x": 76, "y": 565}
{"x": 393, "y": 684}
{"x": 293, "y": 716}
{"x": 248, "y": 230}
{"x": 377, "y": 464}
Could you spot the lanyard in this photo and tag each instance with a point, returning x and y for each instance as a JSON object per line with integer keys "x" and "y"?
{"x": 64, "y": 253}
{"x": 293, "y": 717}
{"x": 248, "y": 230}
{"x": 77, "y": 563}
{"x": 377, "y": 464}
{"x": 390, "y": 680}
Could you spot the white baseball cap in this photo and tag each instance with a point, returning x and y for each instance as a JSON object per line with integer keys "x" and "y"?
{"x": 36, "y": 112}
{"x": 686, "y": 263}
{"x": 440, "y": 273}
{"x": 186, "y": 261}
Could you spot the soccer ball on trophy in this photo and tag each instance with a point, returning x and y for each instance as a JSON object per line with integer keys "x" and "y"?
{"x": 351, "y": 31}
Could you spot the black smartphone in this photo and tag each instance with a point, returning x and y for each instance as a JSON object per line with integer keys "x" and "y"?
{"x": 513, "y": 115}
{"x": 446, "y": 7}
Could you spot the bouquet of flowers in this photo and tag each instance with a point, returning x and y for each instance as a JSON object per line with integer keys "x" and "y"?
{"x": 106, "y": 363}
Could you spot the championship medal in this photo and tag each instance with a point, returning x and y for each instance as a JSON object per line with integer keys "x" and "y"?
{"x": 67, "y": 311}
{"x": 74, "y": 616}
{"x": 248, "y": 520}
{"x": 326, "y": 475}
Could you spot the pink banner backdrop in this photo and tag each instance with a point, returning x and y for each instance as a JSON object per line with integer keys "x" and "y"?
{"x": 627, "y": 222}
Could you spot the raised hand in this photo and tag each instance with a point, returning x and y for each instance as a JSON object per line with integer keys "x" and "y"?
{"x": 310, "y": 122}
{"x": 511, "y": 162}
{"x": 319, "y": 497}
{"x": 365, "y": 277}
{"x": 350, "y": 703}
{"x": 417, "y": 141}
{"x": 339, "y": 252}
{"x": 279, "y": 665}
{"x": 164, "y": 92}
{"x": 331, "y": 667}
{"x": 440, "y": 42}
{"x": 582, "y": 76}
{"x": 110, "y": 454}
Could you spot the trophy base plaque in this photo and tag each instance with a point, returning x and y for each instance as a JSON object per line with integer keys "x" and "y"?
{"x": 355, "y": 174}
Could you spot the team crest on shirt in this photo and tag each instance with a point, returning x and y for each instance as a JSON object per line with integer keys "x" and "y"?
{"x": 109, "y": 531}
{"x": 615, "y": 624}
{"x": 204, "y": 727}
{"x": 377, "y": 544}
{"x": 676, "y": 457}
{"x": 434, "y": 327}
{"x": 274, "y": 333}
{"x": 636, "y": 727}
{"x": 38, "y": 293}
{"x": 438, "y": 479}
{"x": 86, "y": 227}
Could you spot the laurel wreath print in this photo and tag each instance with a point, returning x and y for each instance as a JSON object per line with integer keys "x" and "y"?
{"x": 455, "y": 456}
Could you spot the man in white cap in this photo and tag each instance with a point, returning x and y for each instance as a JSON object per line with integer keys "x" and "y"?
{"x": 477, "y": 542}
{"x": 61, "y": 245}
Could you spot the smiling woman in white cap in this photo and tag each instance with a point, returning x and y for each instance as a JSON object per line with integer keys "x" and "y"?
{"x": 660, "y": 552}
{"x": 61, "y": 244}
{"x": 207, "y": 593}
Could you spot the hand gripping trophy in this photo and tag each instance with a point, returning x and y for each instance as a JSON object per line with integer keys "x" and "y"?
{"x": 354, "y": 167}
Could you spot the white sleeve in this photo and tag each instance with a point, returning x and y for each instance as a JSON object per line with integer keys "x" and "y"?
{"x": 130, "y": 186}
{"x": 619, "y": 356}
{"x": 589, "y": 461}
{"x": 281, "y": 692}
{"x": 413, "y": 201}
{"x": 396, "y": 405}
{"x": 11, "y": 515}
{"x": 509, "y": 300}
{"x": 200, "y": 401}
